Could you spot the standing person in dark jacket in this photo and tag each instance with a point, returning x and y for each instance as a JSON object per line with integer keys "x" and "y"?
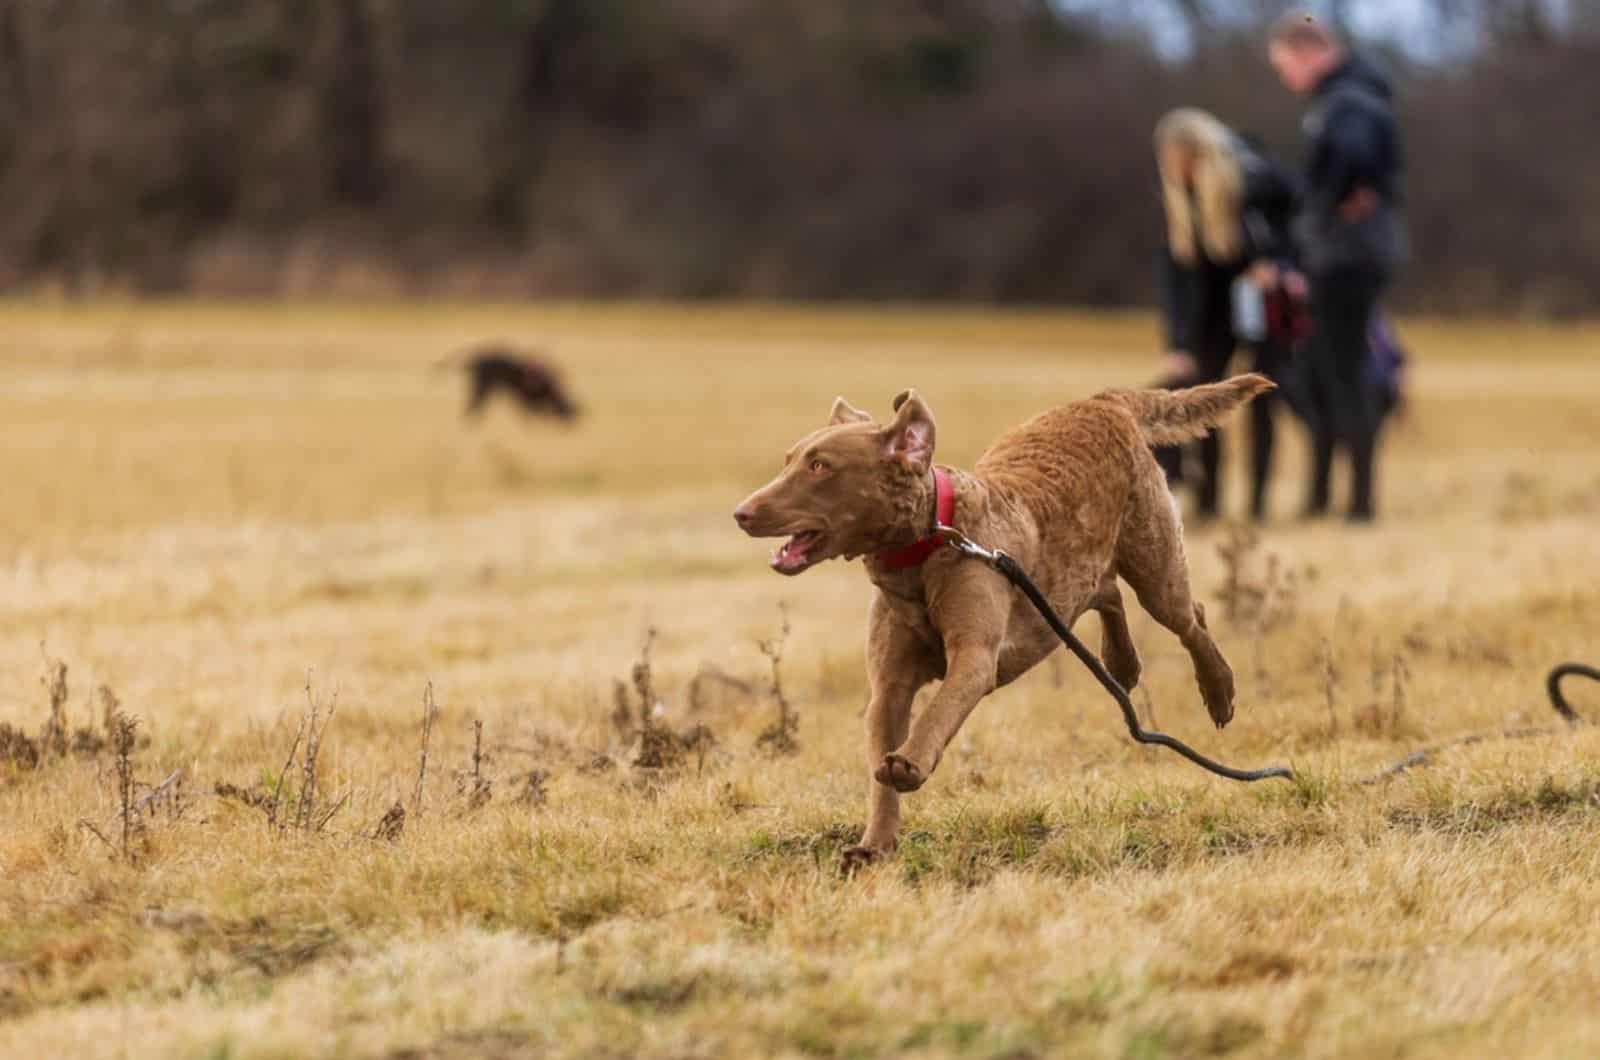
{"x": 1228, "y": 210}
{"x": 1351, "y": 238}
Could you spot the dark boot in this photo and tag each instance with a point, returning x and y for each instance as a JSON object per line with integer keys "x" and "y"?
{"x": 1261, "y": 439}
{"x": 1321, "y": 474}
{"x": 1361, "y": 460}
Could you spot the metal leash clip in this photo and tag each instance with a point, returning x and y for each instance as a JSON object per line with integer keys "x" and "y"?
{"x": 966, "y": 546}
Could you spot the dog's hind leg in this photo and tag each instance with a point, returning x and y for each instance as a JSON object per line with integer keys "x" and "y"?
{"x": 1117, "y": 650}
{"x": 1150, "y": 558}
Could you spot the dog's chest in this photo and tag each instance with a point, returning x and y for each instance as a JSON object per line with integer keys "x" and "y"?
{"x": 904, "y": 609}
{"x": 911, "y": 616}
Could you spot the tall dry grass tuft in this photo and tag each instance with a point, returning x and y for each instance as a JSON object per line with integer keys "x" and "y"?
{"x": 124, "y": 734}
{"x": 473, "y": 786}
{"x": 429, "y": 712}
{"x": 1328, "y": 667}
{"x": 1238, "y": 594}
{"x": 1400, "y": 673}
{"x": 651, "y": 744}
{"x": 18, "y": 750}
{"x": 1388, "y": 675}
{"x": 279, "y": 783}
{"x": 780, "y": 737}
{"x": 531, "y": 790}
{"x": 1261, "y": 594}
{"x": 392, "y": 824}
{"x": 54, "y": 681}
{"x": 306, "y": 811}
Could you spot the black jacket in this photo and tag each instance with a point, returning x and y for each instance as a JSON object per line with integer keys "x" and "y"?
{"x": 1352, "y": 143}
{"x": 1197, "y": 304}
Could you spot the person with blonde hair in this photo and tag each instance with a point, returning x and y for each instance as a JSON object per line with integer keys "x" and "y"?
{"x": 1228, "y": 209}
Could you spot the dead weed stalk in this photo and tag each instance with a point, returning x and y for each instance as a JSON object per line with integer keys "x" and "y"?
{"x": 429, "y": 711}
{"x": 779, "y": 738}
{"x": 282, "y": 806}
{"x": 652, "y": 744}
{"x": 472, "y": 784}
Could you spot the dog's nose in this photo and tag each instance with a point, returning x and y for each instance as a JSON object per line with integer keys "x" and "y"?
{"x": 744, "y": 515}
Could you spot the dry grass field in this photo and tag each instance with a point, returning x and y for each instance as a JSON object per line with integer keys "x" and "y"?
{"x": 205, "y": 509}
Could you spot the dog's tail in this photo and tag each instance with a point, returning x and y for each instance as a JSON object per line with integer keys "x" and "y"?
{"x": 1167, "y": 417}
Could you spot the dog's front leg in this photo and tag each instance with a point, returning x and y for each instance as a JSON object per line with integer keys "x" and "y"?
{"x": 970, "y": 667}
{"x": 888, "y": 719}
{"x": 897, "y": 666}
{"x": 969, "y": 610}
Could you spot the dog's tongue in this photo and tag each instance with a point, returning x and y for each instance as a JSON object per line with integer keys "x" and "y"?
{"x": 792, "y": 554}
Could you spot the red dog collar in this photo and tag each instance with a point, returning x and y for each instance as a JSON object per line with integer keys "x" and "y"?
{"x": 917, "y": 553}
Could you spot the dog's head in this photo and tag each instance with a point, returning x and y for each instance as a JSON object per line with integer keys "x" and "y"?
{"x": 543, "y": 386}
{"x": 850, "y": 488}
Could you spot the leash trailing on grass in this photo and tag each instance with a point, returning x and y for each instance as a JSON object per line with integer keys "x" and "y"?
{"x": 1014, "y": 573}
{"x": 1558, "y": 703}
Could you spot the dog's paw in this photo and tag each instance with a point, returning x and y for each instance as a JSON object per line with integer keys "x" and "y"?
{"x": 1124, "y": 668}
{"x": 1218, "y": 694}
{"x": 900, "y": 773}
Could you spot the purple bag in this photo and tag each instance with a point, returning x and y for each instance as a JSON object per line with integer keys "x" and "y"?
{"x": 1386, "y": 361}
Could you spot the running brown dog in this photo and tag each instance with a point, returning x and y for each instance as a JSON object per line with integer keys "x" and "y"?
{"x": 1074, "y": 495}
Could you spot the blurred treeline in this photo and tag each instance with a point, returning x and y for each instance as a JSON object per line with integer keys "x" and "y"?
{"x": 980, "y": 149}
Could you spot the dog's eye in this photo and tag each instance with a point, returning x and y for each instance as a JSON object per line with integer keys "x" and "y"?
{"x": 818, "y": 467}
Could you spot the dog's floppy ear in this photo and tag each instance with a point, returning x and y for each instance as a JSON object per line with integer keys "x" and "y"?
{"x": 844, "y": 412}
{"x": 910, "y": 437}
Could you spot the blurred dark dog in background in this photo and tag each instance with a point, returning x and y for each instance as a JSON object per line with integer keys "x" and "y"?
{"x": 530, "y": 380}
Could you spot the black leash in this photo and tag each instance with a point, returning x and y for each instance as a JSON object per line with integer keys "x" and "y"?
{"x": 1000, "y": 561}
{"x": 1016, "y": 576}
{"x": 1552, "y": 685}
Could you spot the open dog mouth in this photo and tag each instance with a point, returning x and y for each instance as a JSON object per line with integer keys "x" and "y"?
{"x": 795, "y": 554}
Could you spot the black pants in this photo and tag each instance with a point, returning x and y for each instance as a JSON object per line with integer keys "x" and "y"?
{"x": 1341, "y": 402}
{"x": 1212, "y": 362}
